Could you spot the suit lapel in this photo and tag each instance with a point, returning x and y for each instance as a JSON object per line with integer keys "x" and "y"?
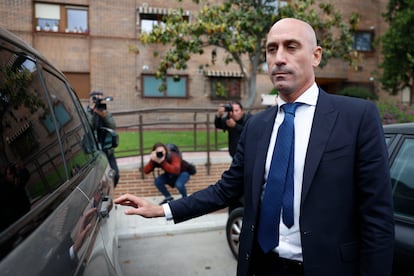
{"x": 263, "y": 132}
{"x": 323, "y": 123}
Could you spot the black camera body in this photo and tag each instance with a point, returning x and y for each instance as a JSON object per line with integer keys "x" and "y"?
{"x": 98, "y": 103}
{"x": 159, "y": 154}
{"x": 228, "y": 107}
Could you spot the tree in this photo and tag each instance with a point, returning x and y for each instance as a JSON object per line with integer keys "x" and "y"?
{"x": 240, "y": 28}
{"x": 398, "y": 47}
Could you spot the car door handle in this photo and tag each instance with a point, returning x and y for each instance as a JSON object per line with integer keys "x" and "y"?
{"x": 106, "y": 206}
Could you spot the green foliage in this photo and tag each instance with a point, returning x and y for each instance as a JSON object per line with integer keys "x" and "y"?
{"x": 273, "y": 91}
{"x": 13, "y": 87}
{"x": 221, "y": 91}
{"x": 358, "y": 92}
{"x": 240, "y": 28}
{"x": 398, "y": 46}
{"x": 391, "y": 112}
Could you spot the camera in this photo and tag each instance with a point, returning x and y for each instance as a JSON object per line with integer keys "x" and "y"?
{"x": 228, "y": 107}
{"x": 99, "y": 102}
{"x": 159, "y": 154}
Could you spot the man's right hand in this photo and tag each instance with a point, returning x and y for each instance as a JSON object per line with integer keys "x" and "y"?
{"x": 139, "y": 206}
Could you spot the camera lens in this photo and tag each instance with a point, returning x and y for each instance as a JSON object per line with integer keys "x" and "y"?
{"x": 160, "y": 154}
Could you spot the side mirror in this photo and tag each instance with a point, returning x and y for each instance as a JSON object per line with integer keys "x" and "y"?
{"x": 110, "y": 138}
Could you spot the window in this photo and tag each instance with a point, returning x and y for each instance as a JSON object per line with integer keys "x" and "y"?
{"x": 225, "y": 85}
{"x": 148, "y": 23}
{"x": 276, "y": 5}
{"x": 80, "y": 82}
{"x": 62, "y": 117}
{"x": 149, "y": 17}
{"x": 225, "y": 88}
{"x": 61, "y": 18}
{"x": 402, "y": 179}
{"x": 176, "y": 87}
{"x": 363, "y": 41}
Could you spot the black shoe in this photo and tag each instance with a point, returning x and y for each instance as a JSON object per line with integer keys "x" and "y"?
{"x": 166, "y": 200}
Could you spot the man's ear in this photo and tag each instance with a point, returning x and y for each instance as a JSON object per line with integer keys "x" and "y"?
{"x": 317, "y": 56}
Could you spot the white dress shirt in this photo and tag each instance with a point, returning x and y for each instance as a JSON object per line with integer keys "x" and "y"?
{"x": 289, "y": 238}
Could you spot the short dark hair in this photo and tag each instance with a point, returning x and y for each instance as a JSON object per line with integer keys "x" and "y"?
{"x": 238, "y": 103}
{"x": 159, "y": 144}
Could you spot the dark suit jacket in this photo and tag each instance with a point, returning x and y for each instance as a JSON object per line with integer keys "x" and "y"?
{"x": 346, "y": 213}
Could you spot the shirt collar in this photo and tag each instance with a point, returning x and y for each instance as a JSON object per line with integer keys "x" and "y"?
{"x": 310, "y": 97}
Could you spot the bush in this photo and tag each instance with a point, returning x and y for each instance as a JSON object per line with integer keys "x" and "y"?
{"x": 392, "y": 112}
{"x": 358, "y": 92}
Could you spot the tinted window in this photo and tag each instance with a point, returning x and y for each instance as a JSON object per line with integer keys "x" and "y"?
{"x": 402, "y": 177}
{"x": 76, "y": 145}
{"x": 43, "y": 142}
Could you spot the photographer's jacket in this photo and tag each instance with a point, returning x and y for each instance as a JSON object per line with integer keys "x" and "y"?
{"x": 97, "y": 121}
{"x": 234, "y": 133}
{"x": 171, "y": 164}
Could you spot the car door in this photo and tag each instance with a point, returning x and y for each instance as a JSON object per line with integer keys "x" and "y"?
{"x": 58, "y": 183}
{"x": 402, "y": 179}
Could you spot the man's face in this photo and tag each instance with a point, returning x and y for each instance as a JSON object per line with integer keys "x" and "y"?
{"x": 237, "y": 112}
{"x": 92, "y": 98}
{"x": 291, "y": 55}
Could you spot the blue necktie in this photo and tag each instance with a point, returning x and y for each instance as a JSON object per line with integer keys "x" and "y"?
{"x": 279, "y": 184}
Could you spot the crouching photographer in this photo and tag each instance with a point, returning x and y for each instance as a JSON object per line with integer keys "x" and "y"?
{"x": 98, "y": 117}
{"x": 174, "y": 175}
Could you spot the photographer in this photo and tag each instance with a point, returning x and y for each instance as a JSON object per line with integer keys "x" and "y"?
{"x": 233, "y": 122}
{"x": 98, "y": 117}
{"x": 175, "y": 175}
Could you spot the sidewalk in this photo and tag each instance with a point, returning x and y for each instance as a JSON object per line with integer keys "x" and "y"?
{"x": 131, "y": 226}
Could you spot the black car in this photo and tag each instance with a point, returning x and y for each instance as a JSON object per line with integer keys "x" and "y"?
{"x": 400, "y": 143}
{"x": 56, "y": 183}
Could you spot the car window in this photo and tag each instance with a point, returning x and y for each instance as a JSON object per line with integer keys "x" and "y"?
{"x": 43, "y": 140}
{"x": 77, "y": 142}
{"x": 402, "y": 177}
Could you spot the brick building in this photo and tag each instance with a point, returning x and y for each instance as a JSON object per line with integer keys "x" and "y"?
{"x": 90, "y": 42}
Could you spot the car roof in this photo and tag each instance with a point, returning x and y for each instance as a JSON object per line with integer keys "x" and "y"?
{"x": 406, "y": 128}
{"x": 26, "y": 48}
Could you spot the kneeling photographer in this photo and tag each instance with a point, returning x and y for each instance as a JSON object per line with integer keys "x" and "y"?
{"x": 175, "y": 175}
{"x": 98, "y": 117}
{"x": 231, "y": 118}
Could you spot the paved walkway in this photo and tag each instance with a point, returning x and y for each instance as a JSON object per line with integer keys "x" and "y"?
{"x": 134, "y": 232}
{"x": 132, "y": 226}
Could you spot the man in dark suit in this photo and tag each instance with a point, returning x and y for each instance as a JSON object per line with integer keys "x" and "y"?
{"x": 342, "y": 204}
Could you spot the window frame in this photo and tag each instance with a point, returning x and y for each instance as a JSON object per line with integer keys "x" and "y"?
{"x": 403, "y": 193}
{"x": 360, "y": 41}
{"x": 163, "y": 94}
{"x": 228, "y": 81}
{"x": 156, "y": 15}
{"x": 62, "y": 19}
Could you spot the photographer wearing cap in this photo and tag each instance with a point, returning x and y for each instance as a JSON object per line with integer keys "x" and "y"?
{"x": 233, "y": 122}
{"x": 99, "y": 116}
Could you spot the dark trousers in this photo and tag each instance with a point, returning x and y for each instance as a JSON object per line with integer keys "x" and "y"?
{"x": 271, "y": 264}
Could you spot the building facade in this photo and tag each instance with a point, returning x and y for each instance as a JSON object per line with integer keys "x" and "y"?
{"x": 94, "y": 43}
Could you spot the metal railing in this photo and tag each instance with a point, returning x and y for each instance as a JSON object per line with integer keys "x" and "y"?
{"x": 169, "y": 119}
